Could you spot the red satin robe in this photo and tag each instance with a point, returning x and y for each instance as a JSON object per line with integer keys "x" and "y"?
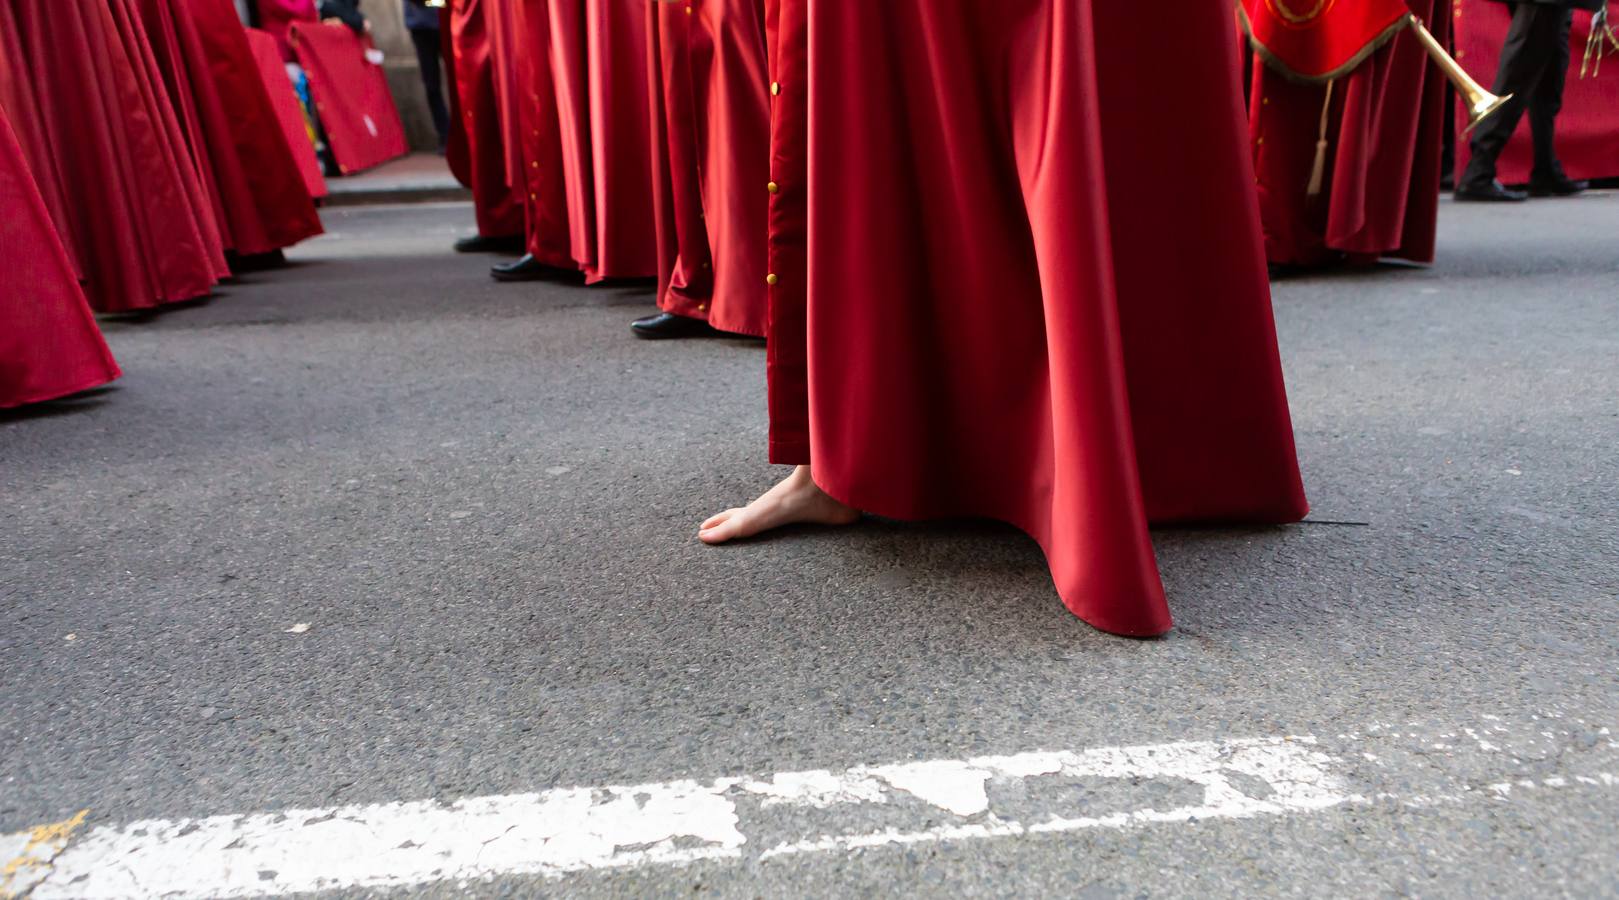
{"x": 480, "y": 144}
{"x": 270, "y": 177}
{"x": 525, "y": 93}
{"x": 598, "y": 60}
{"x": 141, "y": 224}
{"x": 991, "y": 301}
{"x": 710, "y": 159}
{"x": 49, "y": 343}
{"x": 1380, "y": 193}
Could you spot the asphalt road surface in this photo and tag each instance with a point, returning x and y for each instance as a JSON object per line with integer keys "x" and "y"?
{"x": 372, "y": 574}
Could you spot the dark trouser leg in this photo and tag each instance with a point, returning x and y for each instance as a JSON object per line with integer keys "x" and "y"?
{"x": 1547, "y": 101}
{"x": 1524, "y": 62}
{"x": 428, "y": 48}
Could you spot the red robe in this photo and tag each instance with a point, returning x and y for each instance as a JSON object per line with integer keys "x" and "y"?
{"x": 1380, "y": 193}
{"x": 710, "y": 159}
{"x": 526, "y": 98}
{"x": 598, "y": 60}
{"x": 139, "y": 220}
{"x": 498, "y": 209}
{"x": 277, "y": 188}
{"x": 49, "y": 343}
{"x": 998, "y": 304}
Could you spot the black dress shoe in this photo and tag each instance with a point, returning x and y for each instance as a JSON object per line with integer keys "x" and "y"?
{"x": 1560, "y": 186}
{"x": 668, "y": 325}
{"x": 524, "y": 268}
{"x": 477, "y": 243}
{"x": 1493, "y": 192}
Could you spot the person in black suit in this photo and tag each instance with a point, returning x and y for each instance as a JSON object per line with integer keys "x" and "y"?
{"x": 1534, "y": 68}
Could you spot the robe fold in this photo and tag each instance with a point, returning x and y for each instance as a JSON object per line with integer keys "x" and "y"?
{"x": 708, "y": 82}
{"x": 271, "y": 205}
{"x": 139, "y": 220}
{"x": 598, "y": 57}
{"x": 1379, "y": 196}
{"x": 526, "y": 97}
{"x": 479, "y": 141}
{"x": 1005, "y": 308}
{"x": 49, "y": 344}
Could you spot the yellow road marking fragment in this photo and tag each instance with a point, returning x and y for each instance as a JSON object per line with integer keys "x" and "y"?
{"x": 28, "y": 854}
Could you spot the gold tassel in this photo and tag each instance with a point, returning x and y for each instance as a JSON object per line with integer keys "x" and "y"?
{"x": 1319, "y": 173}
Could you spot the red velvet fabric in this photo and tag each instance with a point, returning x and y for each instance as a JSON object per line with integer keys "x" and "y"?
{"x": 498, "y": 207}
{"x": 1587, "y": 128}
{"x": 993, "y": 324}
{"x": 1380, "y": 194}
{"x": 49, "y": 343}
{"x": 288, "y": 112}
{"x": 708, "y": 80}
{"x": 1319, "y": 38}
{"x": 136, "y": 214}
{"x": 352, "y": 97}
{"x": 598, "y": 60}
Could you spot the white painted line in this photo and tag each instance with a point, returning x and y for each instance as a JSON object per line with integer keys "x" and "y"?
{"x": 579, "y": 829}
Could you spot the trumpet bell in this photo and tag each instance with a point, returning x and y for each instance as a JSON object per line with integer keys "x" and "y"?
{"x": 1482, "y": 107}
{"x": 1481, "y": 104}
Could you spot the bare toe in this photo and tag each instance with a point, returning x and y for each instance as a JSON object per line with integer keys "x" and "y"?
{"x": 721, "y": 528}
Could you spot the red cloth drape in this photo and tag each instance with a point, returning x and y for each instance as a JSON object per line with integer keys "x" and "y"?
{"x": 351, "y": 94}
{"x": 277, "y": 190}
{"x": 1010, "y": 310}
{"x": 287, "y": 111}
{"x": 1380, "y": 194}
{"x": 49, "y": 343}
{"x": 710, "y": 159}
{"x": 455, "y": 142}
{"x": 1319, "y": 39}
{"x": 137, "y": 216}
{"x": 525, "y": 97}
{"x": 1587, "y": 128}
{"x": 171, "y": 37}
{"x": 497, "y": 206}
{"x": 598, "y": 57}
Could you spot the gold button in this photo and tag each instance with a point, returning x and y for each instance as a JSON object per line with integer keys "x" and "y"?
{"x": 534, "y": 164}
{"x": 688, "y": 10}
{"x": 1259, "y": 141}
{"x": 1265, "y": 101}
{"x": 773, "y": 188}
{"x": 775, "y": 88}
{"x": 702, "y": 307}
{"x": 771, "y": 278}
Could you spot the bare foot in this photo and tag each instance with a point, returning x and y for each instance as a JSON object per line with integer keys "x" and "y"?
{"x": 795, "y": 500}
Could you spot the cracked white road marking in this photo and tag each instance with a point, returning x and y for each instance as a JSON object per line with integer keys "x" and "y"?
{"x": 789, "y": 815}
{"x": 576, "y": 829}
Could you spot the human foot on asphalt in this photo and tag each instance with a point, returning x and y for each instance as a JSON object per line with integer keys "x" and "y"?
{"x": 796, "y": 500}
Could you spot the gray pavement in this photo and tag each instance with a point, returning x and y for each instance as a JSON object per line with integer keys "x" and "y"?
{"x": 482, "y": 500}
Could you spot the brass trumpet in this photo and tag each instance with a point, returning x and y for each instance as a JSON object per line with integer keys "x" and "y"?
{"x": 1481, "y": 104}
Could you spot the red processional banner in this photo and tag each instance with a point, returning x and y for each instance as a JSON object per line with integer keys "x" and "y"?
{"x": 1319, "y": 40}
